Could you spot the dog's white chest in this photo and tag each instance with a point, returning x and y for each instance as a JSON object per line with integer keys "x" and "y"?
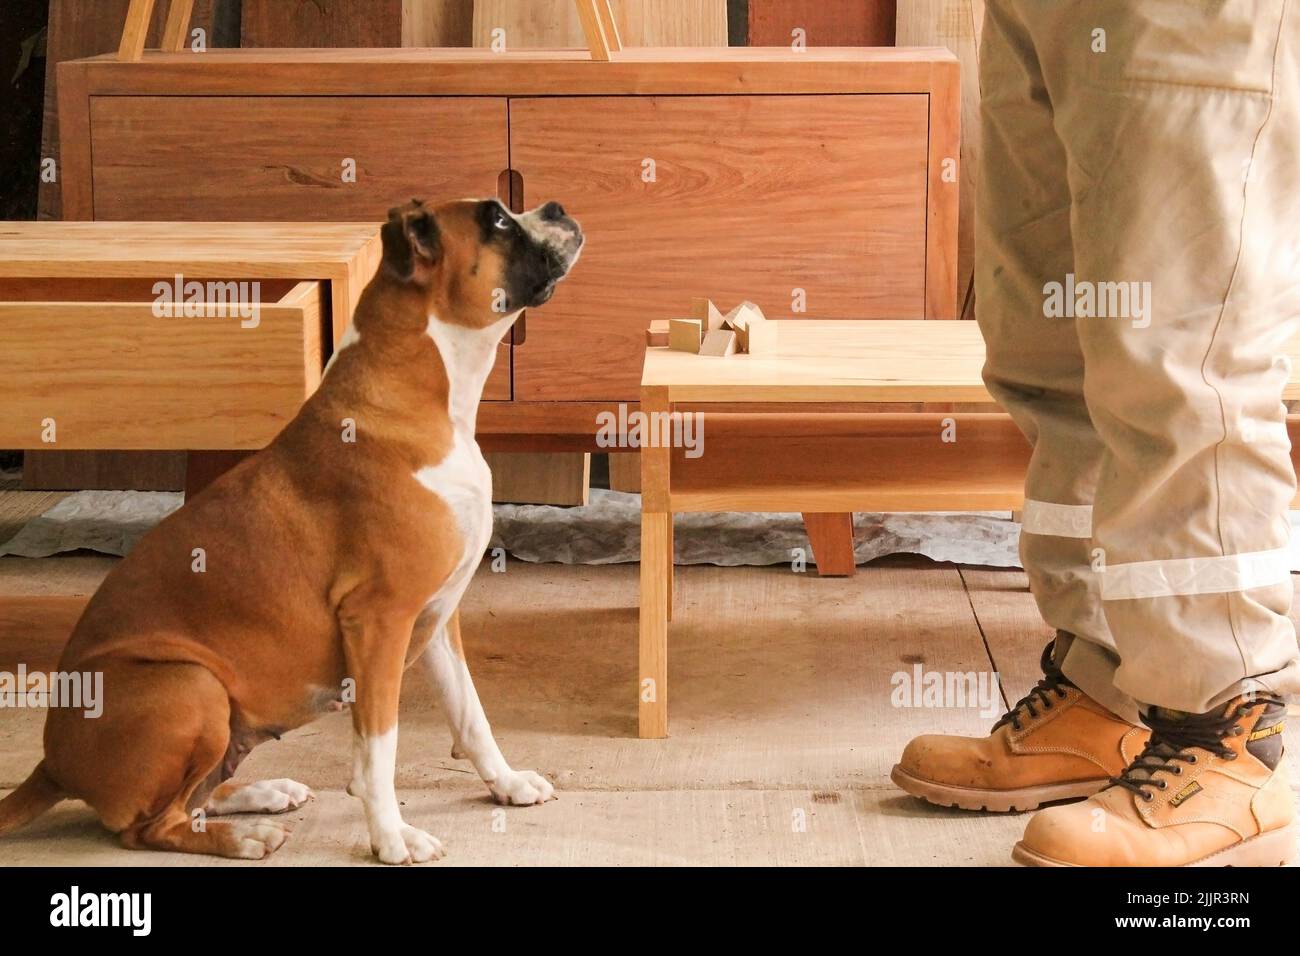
{"x": 464, "y": 484}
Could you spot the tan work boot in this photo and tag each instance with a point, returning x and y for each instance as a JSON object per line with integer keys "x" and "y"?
{"x": 1057, "y": 743}
{"x": 1208, "y": 790}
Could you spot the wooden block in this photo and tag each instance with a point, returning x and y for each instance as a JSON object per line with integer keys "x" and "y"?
{"x": 625, "y": 472}
{"x": 760, "y": 338}
{"x": 540, "y": 478}
{"x": 719, "y": 343}
{"x": 708, "y": 313}
{"x": 685, "y": 335}
{"x": 657, "y": 335}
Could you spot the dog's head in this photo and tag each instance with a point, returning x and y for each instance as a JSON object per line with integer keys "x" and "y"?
{"x": 476, "y": 260}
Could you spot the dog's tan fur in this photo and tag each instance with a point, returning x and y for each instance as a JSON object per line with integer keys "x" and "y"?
{"x": 320, "y": 557}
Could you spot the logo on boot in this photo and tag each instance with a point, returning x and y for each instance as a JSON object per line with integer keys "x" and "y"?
{"x": 1185, "y": 794}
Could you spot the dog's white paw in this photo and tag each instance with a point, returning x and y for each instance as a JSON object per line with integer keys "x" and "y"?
{"x": 407, "y": 845}
{"x": 264, "y": 796}
{"x": 255, "y": 841}
{"x": 521, "y": 788}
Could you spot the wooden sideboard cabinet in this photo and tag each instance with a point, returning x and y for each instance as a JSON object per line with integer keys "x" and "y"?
{"x": 819, "y": 183}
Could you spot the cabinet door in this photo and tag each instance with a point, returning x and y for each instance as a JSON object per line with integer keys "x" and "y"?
{"x": 791, "y": 201}
{"x": 294, "y": 159}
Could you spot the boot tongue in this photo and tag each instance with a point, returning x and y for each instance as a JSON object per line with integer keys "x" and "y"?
{"x": 1174, "y": 733}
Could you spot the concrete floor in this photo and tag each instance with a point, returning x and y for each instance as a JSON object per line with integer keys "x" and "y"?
{"x": 783, "y": 731}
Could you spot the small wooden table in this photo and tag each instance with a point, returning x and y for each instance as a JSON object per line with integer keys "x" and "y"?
{"x": 92, "y": 358}
{"x": 826, "y": 461}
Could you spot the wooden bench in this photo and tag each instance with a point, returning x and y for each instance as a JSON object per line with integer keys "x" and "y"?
{"x": 825, "y": 463}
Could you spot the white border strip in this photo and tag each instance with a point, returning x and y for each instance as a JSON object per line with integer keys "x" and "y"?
{"x": 1181, "y": 576}
{"x": 1060, "y": 521}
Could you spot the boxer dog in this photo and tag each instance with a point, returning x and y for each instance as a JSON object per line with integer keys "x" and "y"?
{"x": 330, "y": 561}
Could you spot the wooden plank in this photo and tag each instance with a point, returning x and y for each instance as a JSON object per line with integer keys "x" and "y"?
{"x": 541, "y": 478}
{"x": 101, "y": 250}
{"x": 177, "y": 27}
{"x": 146, "y": 166}
{"x": 862, "y": 23}
{"x": 608, "y": 25}
{"x": 686, "y": 23}
{"x": 323, "y": 23}
{"x": 106, "y": 470}
{"x": 434, "y": 23}
{"x": 853, "y": 463}
{"x": 955, "y": 24}
{"x": 835, "y": 361}
{"x": 135, "y": 31}
{"x": 593, "y": 30}
{"x": 725, "y": 170}
{"x": 19, "y": 507}
{"x": 479, "y": 72}
{"x": 625, "y": 472}
{"x": 640, "y": 23}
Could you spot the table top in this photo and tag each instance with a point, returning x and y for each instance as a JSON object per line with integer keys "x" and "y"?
{"x": 268, "y": 250}
{"x": 878, "y": 360}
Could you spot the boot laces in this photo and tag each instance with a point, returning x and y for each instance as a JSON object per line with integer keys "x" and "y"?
{"x": 1051, "y": 688}
{"x": 1174, "y": 741}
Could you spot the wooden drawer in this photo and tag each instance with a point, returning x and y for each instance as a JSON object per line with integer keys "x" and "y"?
{"x": 95, "y": 358}
{"x": 731, "y": 197}
{"x": 263, "y": 159}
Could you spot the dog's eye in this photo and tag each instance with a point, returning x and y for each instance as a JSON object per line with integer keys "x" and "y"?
{"x": 502, "y": 221}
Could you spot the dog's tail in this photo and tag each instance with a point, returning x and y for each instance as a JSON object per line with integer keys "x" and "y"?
{"x": 33, "y": 797}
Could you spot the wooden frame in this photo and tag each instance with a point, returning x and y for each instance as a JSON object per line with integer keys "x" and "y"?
{"x": 135, "y": 30}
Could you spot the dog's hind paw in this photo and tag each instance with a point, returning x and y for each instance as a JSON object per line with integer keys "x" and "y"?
{"x": 521, "y": 788}
{"x": 256, "y": 841}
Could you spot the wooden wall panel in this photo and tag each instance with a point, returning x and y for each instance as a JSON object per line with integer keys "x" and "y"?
{"x": 437, "y": 22}
{"x": 356, "y": 23}
{"x": 554, "y": 23}
{"x": 825, "y": 22}
{"x": 322, "y": 23}
{"x": 746, "y": 191}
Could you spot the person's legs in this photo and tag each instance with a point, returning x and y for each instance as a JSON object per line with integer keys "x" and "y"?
{"x": 1182, "y": 127}
{"x": 1065, "y": 739}
{"x": 1034, "y": 364}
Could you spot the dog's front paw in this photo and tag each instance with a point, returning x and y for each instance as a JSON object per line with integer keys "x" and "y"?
{"x": 407, "y": 845}
{"x": 522, "y": 788}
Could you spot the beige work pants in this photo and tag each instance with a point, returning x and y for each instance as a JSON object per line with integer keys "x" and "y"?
{"x": 1137, "y": 278}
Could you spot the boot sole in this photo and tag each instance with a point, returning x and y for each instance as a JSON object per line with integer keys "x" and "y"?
{"x": 1274, "y": 848}
{"x": 994, "y": 801}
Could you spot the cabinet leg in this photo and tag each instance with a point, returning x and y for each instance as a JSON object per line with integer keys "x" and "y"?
{"x": 652, "y": 679}
{"x": 831, "y": 537}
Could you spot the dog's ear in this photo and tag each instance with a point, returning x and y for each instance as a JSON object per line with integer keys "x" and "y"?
{"x": 410, "y": 238}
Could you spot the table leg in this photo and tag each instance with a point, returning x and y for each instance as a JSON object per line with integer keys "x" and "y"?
{"x": 668, "y": 596}
{"x": 656, "y": 565}
{"x": 652, "y": 708}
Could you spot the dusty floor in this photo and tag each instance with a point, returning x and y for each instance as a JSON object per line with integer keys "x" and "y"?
{"x": 783, "y": 731}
